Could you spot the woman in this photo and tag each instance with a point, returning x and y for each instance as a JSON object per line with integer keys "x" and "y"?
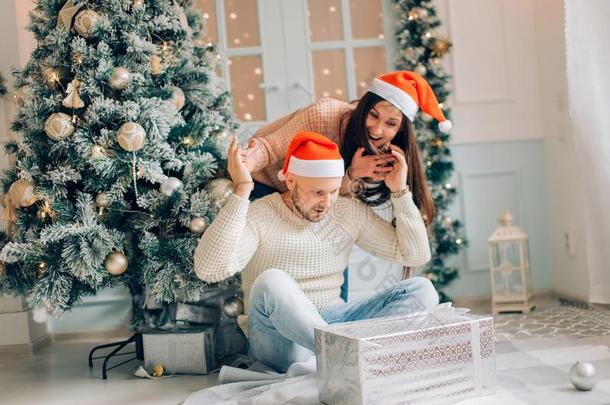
{"x": 366, "y": 131}
{"x": 381, "y": 120}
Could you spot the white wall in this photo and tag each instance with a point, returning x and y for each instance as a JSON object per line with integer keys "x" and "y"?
{"x": 563, "y": 177}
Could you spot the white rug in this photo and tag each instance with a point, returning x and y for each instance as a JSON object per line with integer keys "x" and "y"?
{"x": 530, "y": 371}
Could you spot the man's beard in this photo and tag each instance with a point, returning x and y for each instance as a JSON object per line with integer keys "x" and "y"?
{"x": 297, "y": 203}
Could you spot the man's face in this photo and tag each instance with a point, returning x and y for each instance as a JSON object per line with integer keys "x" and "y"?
{"x": 313, "y": 197}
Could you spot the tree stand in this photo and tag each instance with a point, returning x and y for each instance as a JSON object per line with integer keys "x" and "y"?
{"x": 139, "y": 353}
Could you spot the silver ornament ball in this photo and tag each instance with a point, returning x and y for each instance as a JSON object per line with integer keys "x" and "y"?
{"x": 131, "y": 136}
{"x": 58, "y": 126}
{"x": 583, "y": 376}
{"x": 233, "y": 307}
{"x": 198, "y": 225}
{"x": 170, "y": 185}
{"x": 116, "y": 263}
{"x": 102, "y": 200}
{"x": 177, "y": 97}
{"x": 219, "y": 190}
{"x": 21, "y": 193}
{"x": 120, "y": 78}
{"x": 421, "y": 70}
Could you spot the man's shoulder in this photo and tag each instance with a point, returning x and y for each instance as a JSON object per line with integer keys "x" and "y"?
{"x": 350, "y": 209}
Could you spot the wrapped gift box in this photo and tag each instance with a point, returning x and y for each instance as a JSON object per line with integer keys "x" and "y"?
{"x": 433, "y": 357}
{"x": 180, "y": 351}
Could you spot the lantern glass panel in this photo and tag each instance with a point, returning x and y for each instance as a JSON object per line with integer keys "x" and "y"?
{"x": 500, "y": 283}
{"x": 515, "y": 283}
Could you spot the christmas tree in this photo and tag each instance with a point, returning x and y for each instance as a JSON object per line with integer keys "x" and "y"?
{"x": 421, "y": 49}
{"x": 118, "y": 165}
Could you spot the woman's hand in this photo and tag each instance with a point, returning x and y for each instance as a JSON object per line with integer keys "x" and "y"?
{"x": 396, "y": 180}
{"x": 375, "y": 167}
{"x": 253, "y": 155}
{"x": 242, "y": 180}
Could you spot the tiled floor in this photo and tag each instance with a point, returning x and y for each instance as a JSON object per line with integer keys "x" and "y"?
{"x": 59, "y": 373}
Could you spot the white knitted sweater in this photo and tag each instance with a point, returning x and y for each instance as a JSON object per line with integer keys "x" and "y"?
{"x": 266, "y": 234}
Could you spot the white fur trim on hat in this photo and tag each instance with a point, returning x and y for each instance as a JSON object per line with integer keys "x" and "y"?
{"x": 445, "y": 126}
{"x": 314, "y": 168}
{"x": 396, "y": 96}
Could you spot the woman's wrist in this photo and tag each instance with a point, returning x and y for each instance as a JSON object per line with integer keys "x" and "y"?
{"x": 399, "y": 193}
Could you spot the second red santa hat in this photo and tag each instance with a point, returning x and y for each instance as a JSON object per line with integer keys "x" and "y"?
{"x": 409, "y": 92}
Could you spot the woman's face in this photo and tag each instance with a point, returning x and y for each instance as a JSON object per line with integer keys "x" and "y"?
{"x": 383, "y": 123}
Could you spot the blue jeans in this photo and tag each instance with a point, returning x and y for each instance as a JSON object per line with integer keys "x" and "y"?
{"x": 281, "y": 319}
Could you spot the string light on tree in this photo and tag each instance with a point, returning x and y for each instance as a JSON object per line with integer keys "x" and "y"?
{"x": 51, "y": 75}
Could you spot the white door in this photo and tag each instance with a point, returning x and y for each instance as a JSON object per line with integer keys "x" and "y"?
{"x": 280, "y": 55}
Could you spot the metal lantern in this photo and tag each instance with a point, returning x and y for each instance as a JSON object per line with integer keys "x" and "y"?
{"x": 510, "y": 268}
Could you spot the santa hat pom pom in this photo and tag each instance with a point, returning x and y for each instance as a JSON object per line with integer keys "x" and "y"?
{"x": 445, "y": 126}
{"x": 281, "y": 175}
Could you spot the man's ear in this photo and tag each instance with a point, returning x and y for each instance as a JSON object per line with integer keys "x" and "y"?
{"x": 291, "y": 181}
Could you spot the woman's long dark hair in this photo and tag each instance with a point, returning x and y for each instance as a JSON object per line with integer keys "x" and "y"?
{"x": 355, "y": 135}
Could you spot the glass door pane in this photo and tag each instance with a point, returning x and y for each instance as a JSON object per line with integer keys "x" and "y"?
{"x": 330, "y": 74}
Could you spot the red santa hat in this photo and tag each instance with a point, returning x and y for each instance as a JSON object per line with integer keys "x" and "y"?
{"x": 409, "y": 92}
{"x": 312, "y": 155}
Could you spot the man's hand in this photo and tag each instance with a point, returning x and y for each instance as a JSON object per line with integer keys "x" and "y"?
{"x": 396, "y": 180}
{"x": 253, "y": 155}
{"x": 242, "y": 180}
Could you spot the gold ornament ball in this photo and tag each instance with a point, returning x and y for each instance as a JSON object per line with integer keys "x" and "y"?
{"x": 198, "y": 225}
{"x": 2, "y": 269}
{"x": 120, "y": 78}
{"x": 59, "y": 126}
{"x": 116, "y": 263}
{"x": 219, "y": 190}
{"x": 170, "y": 185}
{"x": 177, "y": 97}
{"x": 85, "y": 22}
{"x": 102, "y": 200}
{"x": 156, "y": 65}
{"x": 21, "y": 193}
{"x": 131, "y": 136}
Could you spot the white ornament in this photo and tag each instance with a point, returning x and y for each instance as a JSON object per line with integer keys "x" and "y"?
{"x": 219, "y": 190}
{"x": 131, "y": 136}
{"x": 73, "y": 99}
{"x": 120, "y": 78}
{"x": 421, "y": 70}
{"x": 198, "y": 225}
{"x": 85, "y": 22}
{"x": 58, "y": 126}
{"x": 177, "y": 97}
{"x": 583, "y": 376}
{"x": 40, "y": 315}
{"x": 170, "y": 185}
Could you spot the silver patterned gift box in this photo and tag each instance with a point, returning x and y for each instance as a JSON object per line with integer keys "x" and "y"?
{"x": 180, "y": 351}
{"x": 433, "y": 357}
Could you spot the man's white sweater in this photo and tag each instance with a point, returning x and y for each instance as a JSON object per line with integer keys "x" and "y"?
{"x": 266, "y": 234}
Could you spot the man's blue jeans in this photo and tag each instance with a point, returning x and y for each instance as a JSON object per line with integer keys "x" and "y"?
{"x": 281, "y": 319}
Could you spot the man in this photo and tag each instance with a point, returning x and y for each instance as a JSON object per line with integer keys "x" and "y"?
{"x": 292, "y": 248}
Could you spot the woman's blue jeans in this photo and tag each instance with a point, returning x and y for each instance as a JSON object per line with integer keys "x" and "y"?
{"x": 281, "y": 319}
